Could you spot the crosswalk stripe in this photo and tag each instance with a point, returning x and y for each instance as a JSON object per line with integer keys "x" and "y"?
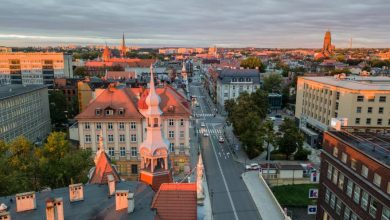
{"x": 209, "y": 131}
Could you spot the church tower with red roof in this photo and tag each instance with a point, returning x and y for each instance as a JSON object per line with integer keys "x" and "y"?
{"x": 123, "y": 47}
{"x": 155, "y": 168}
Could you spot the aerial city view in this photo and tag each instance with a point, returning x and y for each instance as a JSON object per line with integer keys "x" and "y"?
{"x": 194, "y": 110}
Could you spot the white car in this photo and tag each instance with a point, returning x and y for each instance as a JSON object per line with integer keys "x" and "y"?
{"x": 206, "y": 134}
{"x": 202, "y": 124}
{"x": 221, "y": 140}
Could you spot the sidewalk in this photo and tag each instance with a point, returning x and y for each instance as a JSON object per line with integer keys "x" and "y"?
{"x": 266, "y": 203}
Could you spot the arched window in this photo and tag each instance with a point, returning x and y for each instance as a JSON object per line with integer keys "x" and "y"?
{"x": 155, "y": 122}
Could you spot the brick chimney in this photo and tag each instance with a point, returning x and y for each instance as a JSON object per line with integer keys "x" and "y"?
{"x": 25, "y": 201}
{"x": 121, "y": 197}
{"x": 111, "y": 184}
{"x": 54, "y": 209}
{"x": 5, "y": 216}
{"x": 76, "y": 192}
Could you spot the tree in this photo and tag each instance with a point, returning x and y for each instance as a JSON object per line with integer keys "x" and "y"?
{"x": 292, "y": 140}
{"x": 73, "y": 108}
{"x": 252, "y": 63}
{"x": 272, "y": 83}
{"x": 58, "y": 108}
{"x": 268, "y": 134}
{"x": 80, "y": 71}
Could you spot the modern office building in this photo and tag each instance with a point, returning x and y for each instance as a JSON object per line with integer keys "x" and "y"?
{"x": 24, "y": 110}
{"x": 34, "y": 68}
{"x": 363, "y": 100}
{"x": 232, "y": 82}
{"x": 116, "y": 114}
{"x": 355, "y": 176}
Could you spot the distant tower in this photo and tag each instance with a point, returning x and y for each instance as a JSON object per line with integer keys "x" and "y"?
{"x": 106, "y": 53}
{"x": 184, "y": 72}
{"x": 154, "y": 149}
{"x": 123, "y": 47}
{"x": 327, "y": 49}
{"x": 350, "y": 43}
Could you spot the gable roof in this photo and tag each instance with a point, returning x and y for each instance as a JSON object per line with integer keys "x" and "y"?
{"x": 176, "y": 201}
{"x": 103, "y": 168}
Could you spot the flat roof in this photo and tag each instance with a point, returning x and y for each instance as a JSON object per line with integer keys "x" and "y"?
{"x": 375, "y": 145}
{"x": 354, "y": 82}
{"x": 8, "y": 91}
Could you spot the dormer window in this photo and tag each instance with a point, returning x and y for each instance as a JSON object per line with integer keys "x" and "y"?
{"x": 121, "y": 111}
{"x": 109, "y": 112}
{"x": 98, "y": 111}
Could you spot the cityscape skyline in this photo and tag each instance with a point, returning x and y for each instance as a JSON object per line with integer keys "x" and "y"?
{"x": 295, "y": 24}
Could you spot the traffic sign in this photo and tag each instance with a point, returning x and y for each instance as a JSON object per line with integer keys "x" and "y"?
{"x": 314, "y": 177}
{"x": 312, "y": 209}
{"x": 313, "y": 193}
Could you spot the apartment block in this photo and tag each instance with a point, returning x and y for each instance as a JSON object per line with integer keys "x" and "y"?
{"x": 363, "y": 100}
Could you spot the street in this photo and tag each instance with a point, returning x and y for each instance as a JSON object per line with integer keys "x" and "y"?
{"x": 229, "y": 195}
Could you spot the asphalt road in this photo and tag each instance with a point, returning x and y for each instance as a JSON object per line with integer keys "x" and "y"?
{"x": 229, "y": 196}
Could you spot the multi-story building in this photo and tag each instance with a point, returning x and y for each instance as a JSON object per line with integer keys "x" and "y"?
{"x": 363, "y": 100}
{"x": 24, "y": 110}
{"x": 115, "y": 114}
{"x": 68, "y": 86}
{"x": 34, "y": 68}
{"x": 232, "y": 82}
{"x": 355, "y": 176}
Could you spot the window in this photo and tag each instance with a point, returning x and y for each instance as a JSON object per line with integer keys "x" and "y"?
{"x": 379, "y": 121}
{"x": 382, "y": 98}
{"x": 111, "y": 151}
{"x": 133, "y": 151}
{"x": 358, "y": 109}
{"x": 337, "y": 106}
{"x": 98, "y": 112}
{"x": 121, "y": 111}
{"x": 86, "y": 125}
{"x": 97, "y": 138}
{"x": 349, "y": 188}
{"x": 368, "y": 121}
{"x": 369, "y": 110}
{"x": 356, "y": 194}
{"x": 110, "y": 138}
{"x": 329, "y": 175}
{"x": 380, "y": 110}
{"x": 388, "y": 187}
{"x": 332, "y": 200}
{"x": 341, "y": 181}
{"x": 109, "y": 112}
{"x": 344, "y": 157}
{"x": 225, "y": 94}
{"x": 170, "y": 122}
{"x": 371, "y": 98}
{"x": 181, "y": 134}
{"x": 181, "y": 122}
{"x": 377, "y": 179}
{"x": 171, "y": 147}
{"x": 338, "y": 206}
{"x": 354, "y": 216}
{"x": 133, "y": 125}
{"x": 347, "y": 213}
{"x": 327, "y": 195}
{"x": 335, "y": 152}
{"x": 337, "y": 95}
{"x": 98, "y": 125}
{"x": 121, "y": 125}
{"x": 335, "y": 176}
{"x": 109, "y": 125}
{"x": 134, "y": 168}
{"x": 171, "y": 134}
{"x": 353, "y": 164}
{"x": 364, "y": 202}
{"x": 87, "y": 138}
{"x": 122, "y": 138}
{"x": 122, "y": 151}
{"x": 357, "y": 121}
{"x": 385, "y": 213}
{"x": 360, "y": 98}
{"x": 364, "y": 171}
{"x": 133, "y": 138}
{"x": 373, "y": 207}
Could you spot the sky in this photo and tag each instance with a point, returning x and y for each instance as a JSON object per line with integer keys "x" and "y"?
{"x": 196, "y": 23}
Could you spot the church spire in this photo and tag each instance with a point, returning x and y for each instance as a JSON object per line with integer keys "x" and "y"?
{"x": 123, "y": 48}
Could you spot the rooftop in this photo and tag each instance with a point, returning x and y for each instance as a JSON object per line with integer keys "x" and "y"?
{"x": 375, "y": 145}
{"x": 355, "y": 82}
{"x": 8, "y": 91}
{"x": 227, "y": 75}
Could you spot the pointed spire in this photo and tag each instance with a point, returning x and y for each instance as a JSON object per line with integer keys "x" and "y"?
{"x": 100, "y": 147}
{"x": 199, "y": 180}
{"x": 183, "y": 69}
{"x": 151, "y": 84}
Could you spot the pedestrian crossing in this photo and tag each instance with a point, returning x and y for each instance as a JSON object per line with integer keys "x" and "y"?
{"x": 209, "y": 131}
{"x": 203, "y": 115}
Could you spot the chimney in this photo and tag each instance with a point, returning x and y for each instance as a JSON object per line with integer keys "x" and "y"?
{"x": 111, "y": 184}
{"x": 54, "y": 209}
{"x": 76, "y": 192}
{"x": 121, "y": 197}
{"x": 5, "y": 216}
{"x": 131, "y": 203}
{"x": 25, "y": 201}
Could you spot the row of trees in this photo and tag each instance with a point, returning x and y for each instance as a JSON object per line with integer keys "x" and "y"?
{"x": 25, "y": 167}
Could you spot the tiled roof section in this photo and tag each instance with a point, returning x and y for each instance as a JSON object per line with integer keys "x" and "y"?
{"x": 112, "y": 98}
{"x": 227, "y": 75}
{"x": 120, "y": 75}
{"x": 155, "y": 181}
{"x": 102, "y": 169}
{"x": 175, "y": 201}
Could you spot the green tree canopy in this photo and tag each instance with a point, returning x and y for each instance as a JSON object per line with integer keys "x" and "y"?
{"x": 80, "y": 71}
{"x": 252, "y": 63}
{"x": 57, "y": 101}
{"x": 291, "y": 140}
{"x": 273, "y": 83}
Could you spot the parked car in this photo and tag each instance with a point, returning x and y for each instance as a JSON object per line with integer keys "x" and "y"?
{"x": 252, "y": 166}
{"x": 206, "y": 134}
{"x": 221, "y": 140}
{"x": 202, "y": 124}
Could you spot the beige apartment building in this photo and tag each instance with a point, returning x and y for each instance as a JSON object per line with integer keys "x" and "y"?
{"x": 363, "y": 100}
{"x": 34, "y": 67}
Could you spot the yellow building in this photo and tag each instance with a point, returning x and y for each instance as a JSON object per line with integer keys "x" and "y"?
{"x": 363, "y": 100}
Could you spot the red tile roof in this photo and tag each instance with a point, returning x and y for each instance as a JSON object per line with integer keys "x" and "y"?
{"x": 155, "y": 181}
{"x": 176, "y": 201}
{"x": 102, "y": 169}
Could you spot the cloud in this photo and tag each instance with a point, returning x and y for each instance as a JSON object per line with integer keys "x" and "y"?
{"x": 258, "y": 23}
